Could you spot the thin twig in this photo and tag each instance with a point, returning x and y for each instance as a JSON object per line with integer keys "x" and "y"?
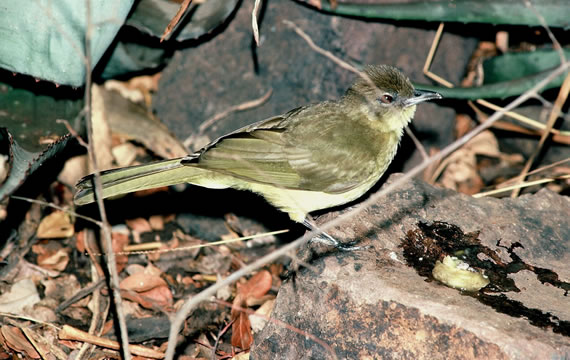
{"x": 343, "y": 64}
{"x": 105, "y": 228}
{"x": 416, "y": 142}
{"x": 80, "y": 295}
{"x": 176, "y": 19}
{"x": 544, "y": 24}
{"x": 218, "y": 337}
{"x": 198, "y": 246}
{"x": 542, "y": 168}
{"x": 519, "y": 186}
{"x": 54, "y": 206}
{"x": 72, "y": 131}
{"x": 521, "y": 118}
{"x": 86, "y": 348}
{"x": 556, "y": 109}
{"x": 254, "y": 21}
{"x": 239, "y": 107}
{"x": 71, "y": 333}
{"x": 28, "y": 318}
{"x": 430, "y": 57}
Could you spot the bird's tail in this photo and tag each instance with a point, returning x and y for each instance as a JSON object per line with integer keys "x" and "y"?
{"x": 122, "y": 181}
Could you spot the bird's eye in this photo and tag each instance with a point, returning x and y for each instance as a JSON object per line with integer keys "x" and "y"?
{"x": 386, "y": 98}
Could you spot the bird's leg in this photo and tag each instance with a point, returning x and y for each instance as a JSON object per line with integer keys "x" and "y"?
{"x": 326, "y": 239}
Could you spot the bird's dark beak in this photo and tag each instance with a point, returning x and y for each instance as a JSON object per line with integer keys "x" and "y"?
{"x": 421, "y": 96}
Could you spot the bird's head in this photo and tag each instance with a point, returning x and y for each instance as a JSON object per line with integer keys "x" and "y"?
{"x": 387, "y": 97}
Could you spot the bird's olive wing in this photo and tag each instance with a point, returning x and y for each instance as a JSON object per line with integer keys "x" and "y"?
{"x": 307, "y": 149}
{"x": 253, "y": 153}
{"x": 336, "y": 152}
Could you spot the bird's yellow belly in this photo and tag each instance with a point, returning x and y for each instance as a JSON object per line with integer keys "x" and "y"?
{"x": 297, "y": 203}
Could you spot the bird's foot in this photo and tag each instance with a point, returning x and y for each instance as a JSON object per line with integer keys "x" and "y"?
{"x": 328, "y": 240}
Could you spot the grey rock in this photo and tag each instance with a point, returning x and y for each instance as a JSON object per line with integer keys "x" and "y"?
{"x": 371, "y": 304}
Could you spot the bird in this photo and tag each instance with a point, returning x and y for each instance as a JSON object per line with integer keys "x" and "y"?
{"x": 311, "y": 158}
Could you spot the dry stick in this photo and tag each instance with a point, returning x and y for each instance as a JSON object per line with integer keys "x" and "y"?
{"x": 218, "y": 337}
{"x": 204, "y": 295}
{"x": 430, "y": 57}
{"x": 520, "y": 186}
{"x": 542, "y": 168}
{"x": 556, "y": 109}
{"x": 95, "y": 286}
{"x": 151, "y": 248}
{"x": 52, "y": 349}
{"x": 54, "y": 206}
{"x": 254, "y": 24}
{"x": 521, "y": 118}
{"x": 544, "y": 24}
{"x": 28, "y": 334}
{"x": 343, "y": 64}
{"x": 71, "y": 333}
{"x": 176, "y": 19}
{"x": 105, "y": 228}
{"x": 417, "y": 142}
{"x": 72, "y": 131}
{"x": 28, "y": 318}
{"x": 239, "y": 107}
{"x": 557, "y": 138}
{"x": 95, "y": 311}
{"x": 135, "y": 249}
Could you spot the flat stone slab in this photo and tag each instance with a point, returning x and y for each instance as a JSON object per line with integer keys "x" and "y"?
{"x": 382, "y": 302}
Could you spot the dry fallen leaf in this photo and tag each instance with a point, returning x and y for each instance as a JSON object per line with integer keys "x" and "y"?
{"x": 141, "y": 282}
{"x": 156, "y": 222}
{"x": 73, "y": 170}
{"x": 263, "y": 313}
{"x": 459, "y": 170}
{"x": 23, "y": 293}
{"x": 242, "y": 336}
{"x": 158, "y": 298}
{"x": 100, "y": 118}
{"x": 134, "y": 122}
{"x": 16, "y": 340}
{"x": 124, "y": 154}
{"x": 120, "y": 240}
{"x": 56, "y": 225}
{"x": 139, "y": 225}
{"x": 55, "y": 259}
{"x": 254, "y": 289}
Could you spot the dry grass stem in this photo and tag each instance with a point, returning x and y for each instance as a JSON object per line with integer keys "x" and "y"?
{"x": 520, "y": 186}
{"x": 175, "y": 20}
{"x": 554, "y": 113}
{"x": 239, "y": 107}
{"x": 98, "y": 188}
{"x": 73, "y": 334}
{"x": 254, "y": 22}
